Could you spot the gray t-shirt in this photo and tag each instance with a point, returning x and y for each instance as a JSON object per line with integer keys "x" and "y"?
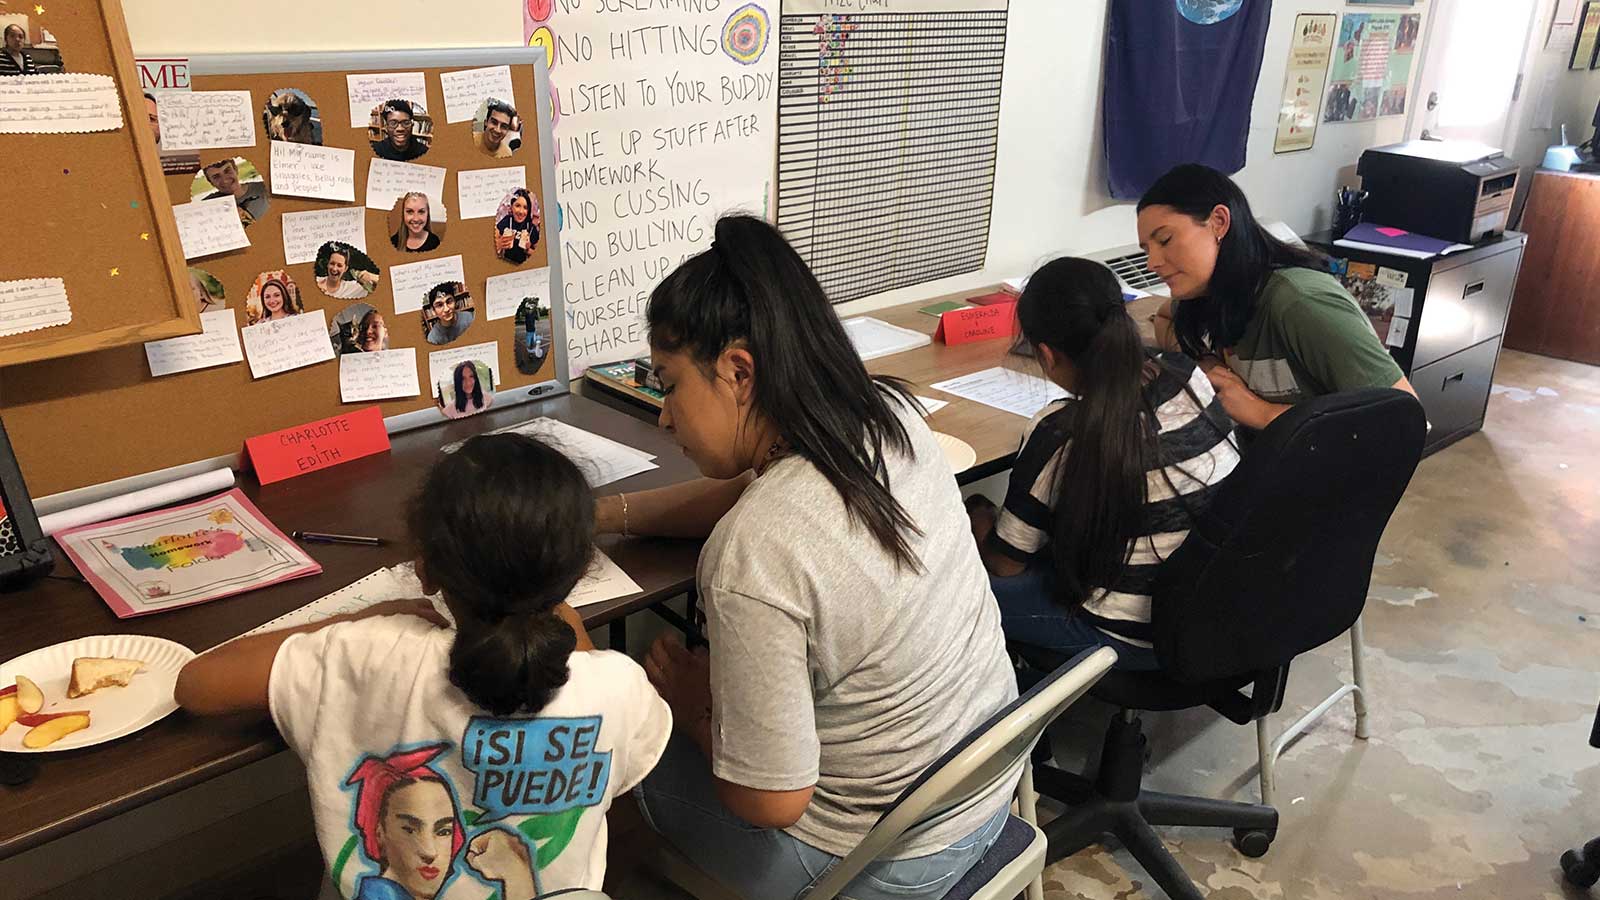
{"x": 830, "y": 666}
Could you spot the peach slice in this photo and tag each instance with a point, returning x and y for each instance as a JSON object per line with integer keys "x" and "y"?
{"x": 57, "y": 727}
{"x": 29, "y": 698}
{"x": 8, "y": 711}
{"x": 8, "y": 691}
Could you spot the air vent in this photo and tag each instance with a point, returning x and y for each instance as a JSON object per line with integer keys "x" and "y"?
{"x": 1134, "y": 271}
{"x": 1131, "y": 266}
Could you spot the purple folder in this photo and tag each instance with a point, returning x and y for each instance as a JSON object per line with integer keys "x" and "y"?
{"x": 1367, "y": 233}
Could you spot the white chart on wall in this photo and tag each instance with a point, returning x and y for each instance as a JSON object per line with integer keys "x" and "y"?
{"x": 888, "y": 124}
{"x": 666, "y": 120}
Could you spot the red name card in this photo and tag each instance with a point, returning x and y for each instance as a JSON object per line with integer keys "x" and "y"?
{"x": 977, "y": 323}
{"x": 277, "y": 455}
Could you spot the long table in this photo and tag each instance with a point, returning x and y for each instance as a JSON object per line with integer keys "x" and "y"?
{"x": 994, "y": 434}
{"x": 75, "y": 789}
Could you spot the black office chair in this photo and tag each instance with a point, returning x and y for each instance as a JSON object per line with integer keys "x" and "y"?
{"x": 1582, "y": 867}
{"x": 1279, "y": 564}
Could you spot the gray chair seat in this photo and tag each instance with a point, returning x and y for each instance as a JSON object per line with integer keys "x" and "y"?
{"x": 1015, "y": 839}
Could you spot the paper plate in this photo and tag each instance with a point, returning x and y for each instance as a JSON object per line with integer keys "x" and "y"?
{"x": 113, "y": 712}
{"x": 959, "y": 452}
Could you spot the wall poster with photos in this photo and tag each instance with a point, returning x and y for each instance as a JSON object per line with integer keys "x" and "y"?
{"x": 92, "y": 258}
{"x": 380, "y": 243}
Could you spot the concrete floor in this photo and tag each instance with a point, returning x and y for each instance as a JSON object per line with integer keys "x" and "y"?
{"x": 1483, "y": 660}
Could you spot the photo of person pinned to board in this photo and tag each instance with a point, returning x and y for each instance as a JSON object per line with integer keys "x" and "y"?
{"x": 496, "y": 130}
{"x": 469, "y": 391}
{"x": 234, "y": 177}
{"x": 447, "y": 312}
{"x": 516, "y": 226}
{"x": 416, "y": 223}
{"x": 400, "y": 130}
{"x": 344, "y": 272}
{"x": 359, "y": 328}
{"x": 532, "y": 334}
{"x": 273, "y": 295}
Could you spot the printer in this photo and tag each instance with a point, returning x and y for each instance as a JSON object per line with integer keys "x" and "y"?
{"x": 1452, "y": 190}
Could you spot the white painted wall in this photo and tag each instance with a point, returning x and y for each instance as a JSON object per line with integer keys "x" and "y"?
{"x": 1576, "y": 94}
{"x": 1050, "y": 196}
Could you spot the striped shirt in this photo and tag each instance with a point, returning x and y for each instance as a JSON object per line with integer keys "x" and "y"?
{"x": 1194, "y": 455}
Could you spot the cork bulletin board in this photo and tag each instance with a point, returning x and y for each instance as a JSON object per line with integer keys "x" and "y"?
{"x": 91, "y": 419}
{"x": 87, "y": 207}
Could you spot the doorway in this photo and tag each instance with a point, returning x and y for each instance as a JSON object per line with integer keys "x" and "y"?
{"x": 1472, "y": 57}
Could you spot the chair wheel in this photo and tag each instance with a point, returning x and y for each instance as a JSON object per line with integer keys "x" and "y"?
{"x": 1253, "y": 843}
{"x": 1581, "y": 872}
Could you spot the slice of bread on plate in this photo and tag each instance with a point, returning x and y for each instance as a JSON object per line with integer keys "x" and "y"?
{"x": 91, "y": 673}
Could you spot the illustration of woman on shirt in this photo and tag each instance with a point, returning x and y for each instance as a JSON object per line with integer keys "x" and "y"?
{"x": 408, "y": 824}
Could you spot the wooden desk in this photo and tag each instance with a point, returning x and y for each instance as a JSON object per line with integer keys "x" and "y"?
{"x": 75, "y": 789}
{"x": 993, "y": 434}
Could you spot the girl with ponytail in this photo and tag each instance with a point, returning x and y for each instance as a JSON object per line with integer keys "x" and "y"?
{"x": 1108, "y": 479}
{"x": 405, "y": 716}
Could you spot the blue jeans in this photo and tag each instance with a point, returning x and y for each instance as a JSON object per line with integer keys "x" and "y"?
{"x": 679, "y": 800}
{"x": 1029, "y": 614}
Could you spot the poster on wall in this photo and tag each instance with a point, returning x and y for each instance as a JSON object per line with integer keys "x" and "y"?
{"x": 1309, "y": 53}
{"x": 1583, "y": 51}
{"x": 665, "y": 118}
{"x": 1563, "y": 26}
{"x": 1371, "y": 69}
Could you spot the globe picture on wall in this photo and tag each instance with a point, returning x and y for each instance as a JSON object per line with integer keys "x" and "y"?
{"x": 1208, "y": 12}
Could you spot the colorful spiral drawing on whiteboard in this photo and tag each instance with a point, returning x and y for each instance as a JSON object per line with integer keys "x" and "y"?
{"x": 744, "y": 36}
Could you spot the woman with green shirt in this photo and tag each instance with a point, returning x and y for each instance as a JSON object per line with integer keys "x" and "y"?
{"x": 1265, "y": 319}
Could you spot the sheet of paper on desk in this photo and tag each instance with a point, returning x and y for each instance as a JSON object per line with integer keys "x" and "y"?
{"x": 874, "y": 337}
{"x": 216, "y": 345}
{"x": 479, "y": 191}
{"x": 209, "y": 226}
{"x": 279, "y": 345}
{"x": 367, "y": 91}
{"x": 465, "y": 90}
{"x": 605, "y": 580}
{"x": 206, "y": 120}
{"x": 378, "y": 375}
{"x": 930, "y": 405}
{"x": 1005, "y": 389}
{"x": 306, "y": 170}
{"x": 388, "y": 180}
{"x": 304, "y": 233}
{"x": 30, "y": 304}
{"x": 398, "y": 583}
{"x": 59, "y": 104}
{"x": 601, "y": 459}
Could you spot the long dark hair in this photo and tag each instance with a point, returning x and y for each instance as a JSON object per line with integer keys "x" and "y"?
{"x": 752, "y": 287}
{"x": 505, "y": 527}
{"x": 477, "y": 387}
{"x": 1074, "y": 307}
{"x": 1246, "y": 257}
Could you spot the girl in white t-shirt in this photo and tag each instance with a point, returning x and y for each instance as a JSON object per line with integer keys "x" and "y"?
{"x": 454, "y": 761}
